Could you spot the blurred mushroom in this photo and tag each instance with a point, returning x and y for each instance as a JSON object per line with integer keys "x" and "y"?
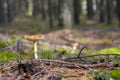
{"x": 35, "y": 39}
{"x": 74, "y": 45}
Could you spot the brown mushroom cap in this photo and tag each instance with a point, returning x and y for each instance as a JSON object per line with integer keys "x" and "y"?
{"x": 74, "y": 44}
{"x": 34, "y": 37}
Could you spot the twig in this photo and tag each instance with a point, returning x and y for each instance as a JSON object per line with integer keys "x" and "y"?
{"x": 100, "y": 55}
{"x": 76, "y": 65}
{"x": 81, "y": 51}
{"x": 3, "y": 48}
{"x": 33, "y": 76}
{"x": 11, "y": 48}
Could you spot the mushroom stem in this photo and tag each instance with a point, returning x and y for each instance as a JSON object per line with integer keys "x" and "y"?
{"x": 35, "y": 50}
{"x": 74, "y": 47}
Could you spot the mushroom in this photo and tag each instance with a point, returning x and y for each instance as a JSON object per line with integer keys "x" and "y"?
{"x": 35, "y": 39}
{"x": 74, "y": 45}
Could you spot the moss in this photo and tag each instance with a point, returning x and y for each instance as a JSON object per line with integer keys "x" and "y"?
{"x": 102, "y": 75}
{"x": 6, "y": 56}
{"x": 2, "y": 44}
{"x": 110, "y": 50}
{"x": 14, "y": 36}
{"x": 27, "y": 56}
{"x": 115, "y": 74}
{"x": 48, "y": 54}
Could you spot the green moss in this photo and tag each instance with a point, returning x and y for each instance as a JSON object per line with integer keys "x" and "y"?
{"x": 115, "y": 74}
{"x": 48, "y": 53}
{"x": 101, "y": 75}
{"x": 14, "y": 37}
{"x": 6, "y": 56}
{"x": 63, "y": 49}
{"x": 110, "y": 50}
{"x": 27, "y": 56}
{"x": 2, "y": 44}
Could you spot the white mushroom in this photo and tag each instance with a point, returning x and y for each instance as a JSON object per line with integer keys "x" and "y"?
{"x": 35, "y": 39}
{"x": 74, "y": 45}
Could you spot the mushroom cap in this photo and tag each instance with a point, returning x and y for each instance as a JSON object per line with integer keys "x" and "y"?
{"x": 74, "y": 44}
{"x": 34, "y": 37}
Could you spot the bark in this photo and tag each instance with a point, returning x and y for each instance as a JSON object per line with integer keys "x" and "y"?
{"x": 60, "y": 18}
{"x": 2, "y": 12}
{"x": 10, "y": 12}
{"x": 35, "y": 8}
{"x": 50, "y": 10}
{"x": 109, "y": 11}
{"x": 102, "y": 11}
{"x": 90, "y": 11}
{"x": 77, "y": 10}
{"x": 43, "y": 11}
{"x": 26, "y": 5}
{"x": 118, "y": 11}
{"x": 20, "y": 6}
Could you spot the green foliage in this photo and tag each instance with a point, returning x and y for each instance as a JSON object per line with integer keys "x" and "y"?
{"x": 15, "y": 37}
{"x": 115, "y": 74}
{"x": 27, "y": 56}
{"x": 65, "y": 49}
{"x": 2, "y": 44}
{"x": 6, "y": 56}
{"x": 111, "y": 51}
{"x": 48, "y": 53}
{"x": 106, "y": 75}
{"x": 100, "y": 75}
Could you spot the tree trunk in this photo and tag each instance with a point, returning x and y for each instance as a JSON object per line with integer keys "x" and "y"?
{"x": 60, "y": 17}
{"x": 97, "y": 5}
{"x": 102, "y": 11}
{"x": 26, "y": 5}
{"x": 55, "y": 13}
{"x": 43, "y": 11}
{"x": 2, "y": 12}
{"x": 35, "y": 8}
{"x": 118, "y": 11}
{"x": 50, "y": 9}
{"x": 109, "y": 11}
{"x": 10, "y": 12}
{"x": 20, "y": 6}
{"x": 77, "y": 10}
{"x": 90, "y": 11}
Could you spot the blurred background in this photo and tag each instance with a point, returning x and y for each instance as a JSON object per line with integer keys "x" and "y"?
{"x": 59, "y": 14}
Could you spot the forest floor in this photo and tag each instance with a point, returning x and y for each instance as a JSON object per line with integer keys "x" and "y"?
{"x": 95, "y": 38}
